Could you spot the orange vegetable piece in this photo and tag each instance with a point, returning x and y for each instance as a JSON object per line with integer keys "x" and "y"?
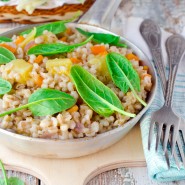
{"x": 38, "y": 81}
{"x": 145, "y": 67}
{"x": 64, "y": 39}
{"x": 73, "y": 109}
{"x": 75, "y": 60}
{"x": 39, "y": 59}
{"x": 10, "y": 48}
{"x": 144, "y": 75}
{"x": 69, "y": 31}
{"x": 131, "y": 56}
{"x": 98, "y": 50}
{"x": 19, "y": 39}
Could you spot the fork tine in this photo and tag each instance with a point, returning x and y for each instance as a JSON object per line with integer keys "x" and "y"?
{"x": 176, "y": 160}
{"x": 159, "y": 131}
{"x": 150, "y": 134}
{"x": 179, "y": 144}
{"x": 175, "y": 133}
{"x": 166, "y": 136}
{"x": 183, "y": 133}
{"x": 167, "y": 159}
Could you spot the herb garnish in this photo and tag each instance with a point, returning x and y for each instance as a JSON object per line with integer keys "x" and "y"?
{"x": 55, "y": 48}
{"x": 123, "y": 74}
{"x": 5, "y": 39}
{"x": 6, "y": 56}
{"x": 103, "y": 38}
{"x": 5, "y": 86}
{"x": 45, "y": 102}
{"x": 98, "y": 96}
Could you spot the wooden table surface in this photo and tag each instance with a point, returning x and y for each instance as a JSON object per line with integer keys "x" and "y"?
{"x": 170, "y": 14}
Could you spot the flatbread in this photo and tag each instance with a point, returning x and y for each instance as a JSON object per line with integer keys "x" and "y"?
{"x": 67, "y": 11}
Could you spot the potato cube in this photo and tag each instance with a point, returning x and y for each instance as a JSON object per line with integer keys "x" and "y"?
{"x": 59, "y": 66}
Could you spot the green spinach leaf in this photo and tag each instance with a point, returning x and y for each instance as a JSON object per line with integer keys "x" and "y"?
{"x": 123, "y": 74}
{"x": 6, "y": 56}
{"x": 103, "y": 38}
{"x": 15, "y": 181}
{"x": 45, "y": 102}
{"x": 55, "y": 48}
{"x": 5, "y": 86}
{"x": 5, "y": 39}
{"x": 98, "y": 96}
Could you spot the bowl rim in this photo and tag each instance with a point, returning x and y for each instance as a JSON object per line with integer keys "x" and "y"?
{"x": 110, "y": 132}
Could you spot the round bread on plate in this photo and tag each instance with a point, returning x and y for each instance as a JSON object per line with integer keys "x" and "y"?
{"x": 38, "y": 11}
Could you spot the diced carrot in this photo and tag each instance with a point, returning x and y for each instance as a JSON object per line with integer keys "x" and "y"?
{"x": 19, "y": 39}
{"x": 73, "y": 109}
{"x": 39, "y": 59}
{"x": 38, "y": 81}
{"x": 69, "y": 31}
{"x": 144, "y": 75}
{"x": 145, "y": 67}
{"x": 12, "y": 49}
{"x": 98, "y": 50}
{"x": 75, "y": 60}
{"x": 64, "y": 39}
{"x": 131, "y": 56}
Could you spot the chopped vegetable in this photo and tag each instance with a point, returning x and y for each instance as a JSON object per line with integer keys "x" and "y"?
{"x": 10, "y": 48}
{"x": 145, "y": 68}
{"x": 96, "y": 50}
{"x": 23, "y": 68}
{"x": 39, "y": 59}
{"x": 60, "y": 66}
{"x": 100, "y": 62}
{"x": 73, "y": 109}
{"x": 131, "y": 56}
{"x": 28, "y": 38}
{"x": 75, "y": 60}
{"x": 19, "y": 39}
{"x": 38, "y": 81}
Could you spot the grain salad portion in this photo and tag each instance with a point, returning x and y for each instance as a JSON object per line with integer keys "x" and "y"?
{"x": 63, "y": 82}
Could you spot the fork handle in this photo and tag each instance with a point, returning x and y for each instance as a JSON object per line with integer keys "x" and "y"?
{"x": 152, "y": 34}
{"x": 175, "y": 46}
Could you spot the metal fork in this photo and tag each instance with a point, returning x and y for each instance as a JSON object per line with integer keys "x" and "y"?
{"x": 151, "y": 33}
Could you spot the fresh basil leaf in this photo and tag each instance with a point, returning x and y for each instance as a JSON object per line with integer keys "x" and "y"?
{"x": 5, "y": 39}
{"x": 15, "y": 181}
{"x": 98, "y": 96}
{"x": 55, "y": 48}
{"x": 45, "y": 102}
{"x": 123, "y": 74}
{"x": 6, "y": 56}
{"x": 5, "y": 86}
{"x": 103, "y": 38}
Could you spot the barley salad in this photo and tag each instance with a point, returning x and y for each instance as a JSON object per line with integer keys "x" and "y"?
{"x": 61, "y": 82}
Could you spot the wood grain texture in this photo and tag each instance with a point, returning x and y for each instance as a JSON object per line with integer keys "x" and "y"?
{"x": 28, "y": 179}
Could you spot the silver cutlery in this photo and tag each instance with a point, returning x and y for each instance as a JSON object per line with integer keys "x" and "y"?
{"x": 165, "y": 116}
